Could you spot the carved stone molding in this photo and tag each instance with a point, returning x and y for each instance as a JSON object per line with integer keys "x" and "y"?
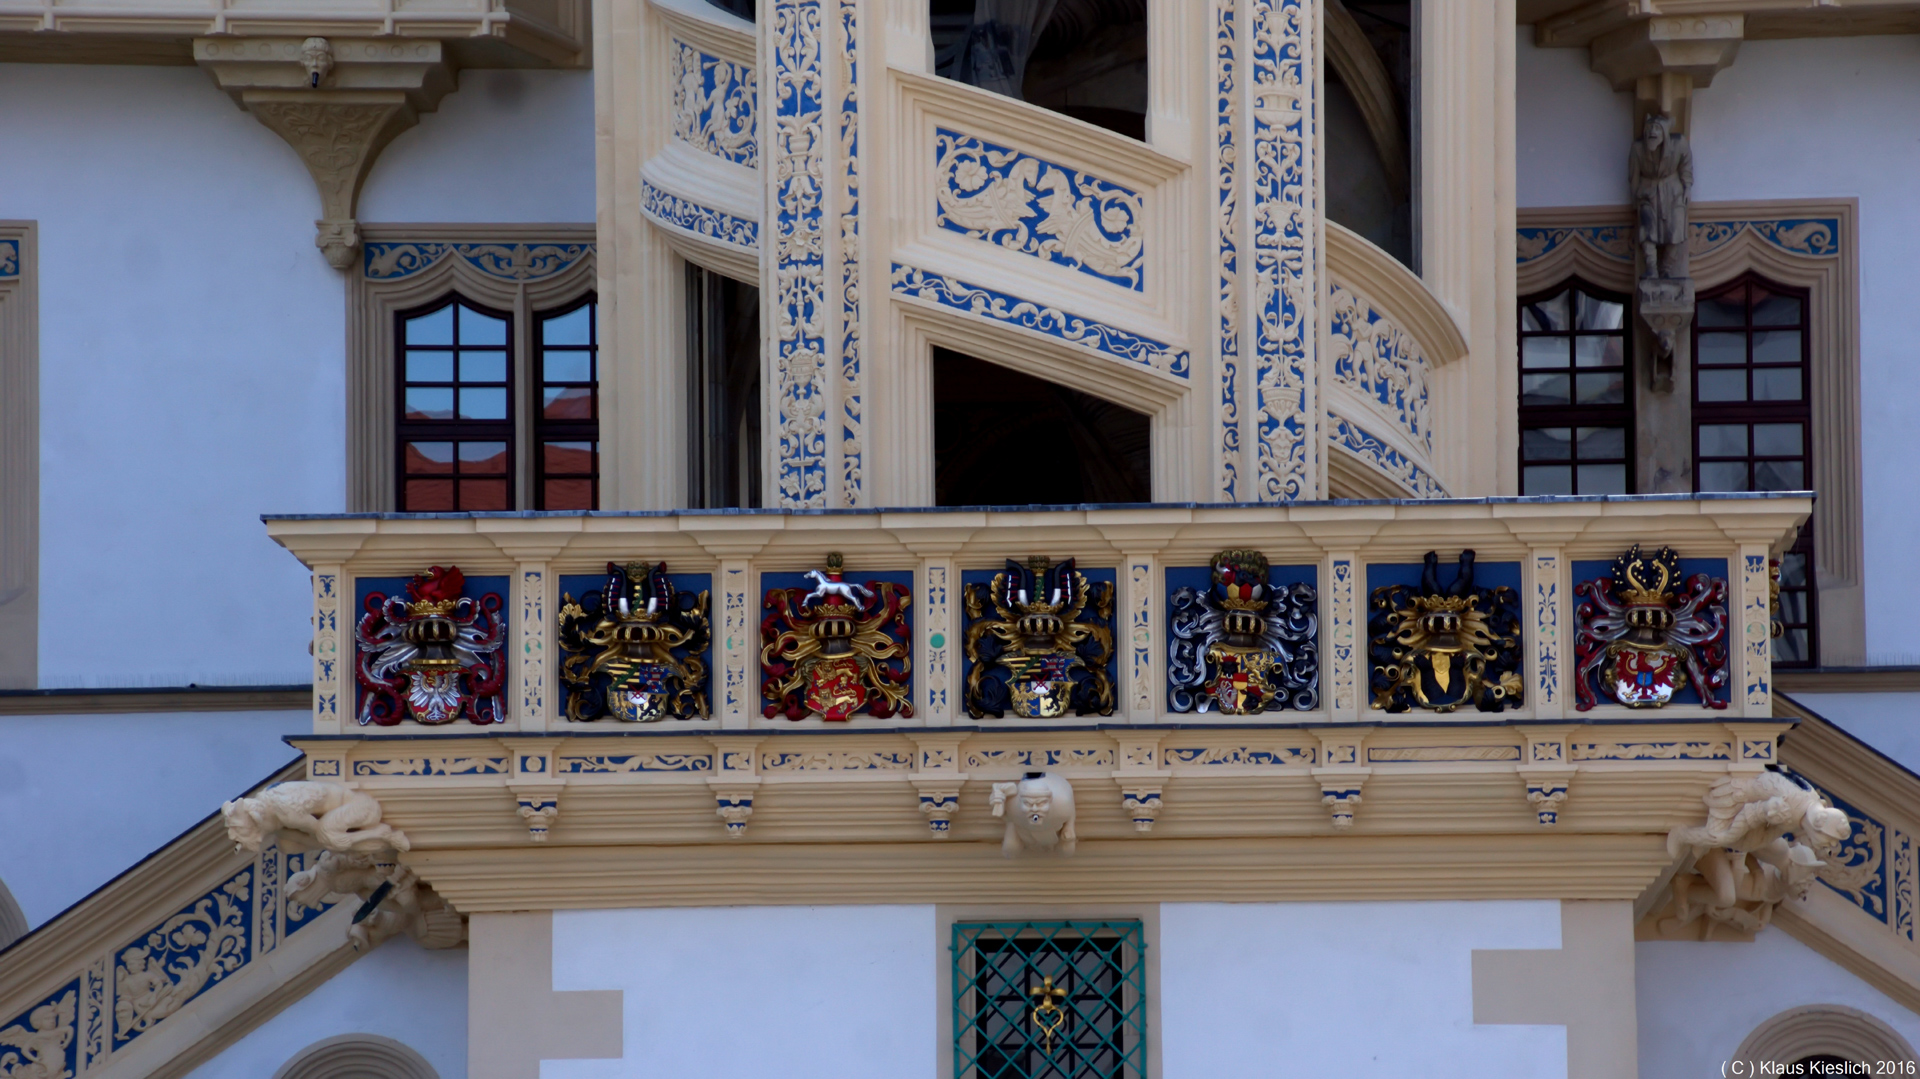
{"x": 337, "y": 103}
{"x": 1665, "y": 58}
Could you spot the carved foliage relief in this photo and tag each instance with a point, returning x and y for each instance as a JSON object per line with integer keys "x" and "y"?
{"x": 1011, "y": 310}
{"x": 852, "y": 448}
{"x": 706, "y": 221}
{"x": 1036, "y": 207}
{"x": 1376, "y": 359}
{"x": 715, "y": 106}
{"x": 159, "y": 974}
{"x": 1282, "y": 247}
{"x": 1226, "y": 212}
{"x": 799, "y": 253}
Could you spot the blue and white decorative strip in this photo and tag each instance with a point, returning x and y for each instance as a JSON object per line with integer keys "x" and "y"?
{"x": 1383, "y": 458}
{"x": 1815, "y": 237}
{"x": 1013, "y": 311}
{"x": 1283, "y": 255}
{"x": 799, "y": 296}
{"x": 391, "y": 261}
{"x": 672, "y": 210}
{"x": 852, "y": 441}
{"x": 1227, "y": 205}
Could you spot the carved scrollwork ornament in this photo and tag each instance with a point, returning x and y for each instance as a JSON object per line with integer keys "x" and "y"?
{"x": 1244, "y": 645}
{"x": 842, "y": 649}
{"x": 1039, "y": 638}
{"x": 1442, "y": 648}
{"x": 437, "y": 652}
{"x": 1641, "y": 634}
{"x": 633, "y": 649}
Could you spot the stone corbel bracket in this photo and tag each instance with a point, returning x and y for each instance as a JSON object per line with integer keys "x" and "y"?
{"x": 1342, "y": 772}
{"x": 937, "y": 779}
{"x": 734, "y": 782}
{"x": 338, "y": 102}
{"x": 1546, "y": 768}
{"x": 1665, "y": 58}
{"x": 1142, "y": 778}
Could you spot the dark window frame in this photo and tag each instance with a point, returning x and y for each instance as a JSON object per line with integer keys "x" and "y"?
{"x": 456, "y": 431}
{"x": 548, "y": 430}
{"x": 1750, "y": 413}
{"x": 1573, "y": 416}
{"x": 997, "y": 973}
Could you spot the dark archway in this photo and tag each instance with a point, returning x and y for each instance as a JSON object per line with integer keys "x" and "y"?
{"x": 1001, "y": 438}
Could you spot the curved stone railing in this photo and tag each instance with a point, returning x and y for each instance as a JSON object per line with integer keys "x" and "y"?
{"x": 703, "y": 189}
{"x": 1387, "y": 339}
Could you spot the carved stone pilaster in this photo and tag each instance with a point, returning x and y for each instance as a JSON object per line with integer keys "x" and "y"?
{"x": 337, "y": 103}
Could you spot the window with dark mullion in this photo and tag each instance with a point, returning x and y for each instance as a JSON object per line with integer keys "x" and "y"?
{"x": 567, "y": 426}
{"x": 1751, "y": 425}
{"x": 1576, "y": 413}
{"x": 455, "y": 402}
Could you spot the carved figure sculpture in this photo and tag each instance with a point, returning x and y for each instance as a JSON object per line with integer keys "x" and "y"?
{"x": 1044, "y": 649}
{"x": 316, "y": 55}
{"x": 1640, "y": 634}
{"x": 1660, "y": 176}
{"x": 1441, "y": 648}
{"x": 1243, "y": 646}
{"x": 37, "y": 1049}
{"x": 1739, "y": 865}
{"x": 839, "y": 650}
{"x": 437, "y": 650}
{"x": 1042, "y": 817}
{"x": 633, "y": 649}
{"x": 327, "y": 816}
{"x": 392, "y": 900}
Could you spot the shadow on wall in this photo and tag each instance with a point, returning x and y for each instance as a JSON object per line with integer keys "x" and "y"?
{"x": 1001, "y": 438}
{"x": 1081, "y": 58}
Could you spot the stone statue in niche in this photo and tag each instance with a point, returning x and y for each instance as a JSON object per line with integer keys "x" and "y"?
{"x": 1042, "y": 817}
{"x": 1660, "y": 177}
{"x": 1740, "y": 864}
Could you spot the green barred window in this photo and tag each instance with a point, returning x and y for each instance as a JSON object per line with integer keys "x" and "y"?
{"x": 1049, "y": 1000}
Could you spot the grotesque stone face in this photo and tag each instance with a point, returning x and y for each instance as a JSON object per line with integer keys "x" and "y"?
{"x": 1036, "y": 803}
{"x": 1829, "y": 823}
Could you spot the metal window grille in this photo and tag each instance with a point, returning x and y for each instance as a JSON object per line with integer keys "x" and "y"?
{"x": 1049, "y": 1000}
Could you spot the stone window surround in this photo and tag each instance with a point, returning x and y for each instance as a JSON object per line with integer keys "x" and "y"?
{"x": 372, "y": 303}
{"x": 1798, "y": 1033}
{"x": 946, "y": 914}
{"x": 19, "y": 456}
{"x": 357, "y": 1056}
{"x": 1833, "y": 282}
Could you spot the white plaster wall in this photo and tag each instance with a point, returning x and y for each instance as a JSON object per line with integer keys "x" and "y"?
{"x": 1817, "y": 118}
{"x": 1889, "y": 722}
{"x": 1571, "y": 129}
{"x": 507, "y": 146}
{"x": 1698, "y": 1002}
{"x": 92, "y": 795}
{"x": 192, "y": 342}
{"x": 756, "y": 992}
{"x": 1351, "y": 989}
{"x": 399, "y": 991}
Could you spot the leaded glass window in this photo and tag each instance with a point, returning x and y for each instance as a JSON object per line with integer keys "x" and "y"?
{"x": 1752, "y": 425}
{"x": 1576, "y": 413}
{"x": 455, "y": 404}
{"x": 1049, "y": 1000}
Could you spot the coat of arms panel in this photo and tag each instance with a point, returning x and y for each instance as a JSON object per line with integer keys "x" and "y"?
{"x": 428, "y": 648}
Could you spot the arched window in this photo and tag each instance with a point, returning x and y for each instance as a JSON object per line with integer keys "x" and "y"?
{"x": 1828, "y": 1033}
{"x": 1752, "y": 421}
{"x": 460, "y": 441}
{"x": 455, "y": 405}
{"x": 357, "y": 1056}
{"x": 1576, "y": 410}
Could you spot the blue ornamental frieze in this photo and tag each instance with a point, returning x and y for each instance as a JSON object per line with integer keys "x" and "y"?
{"x": 715, "y": 105}
{"x": 1012, "y": 310}
{"x": 391, "y": 261}
{"x": 1382, "y": 457}
{"x": 43, "y": 1041}
{"x": 671, "y": 209}
{"x": 1814, "y": 237}
{"x": 1037, "y": 207}
{"x": 1376, "y": 358}
{"x": 9, "y": 258}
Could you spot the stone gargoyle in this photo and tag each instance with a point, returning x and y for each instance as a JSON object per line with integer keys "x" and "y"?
{"x": 1042, "y": 817}
{"x": 325, "y": 816}
{"x": 1739, "y": 865}
{"x": 392, "y": 900}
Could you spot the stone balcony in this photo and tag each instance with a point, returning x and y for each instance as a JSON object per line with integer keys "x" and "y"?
{"x": 1560, "y": 790}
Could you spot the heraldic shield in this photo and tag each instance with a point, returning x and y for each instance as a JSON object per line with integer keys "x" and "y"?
{"x": 632, "y": 650}
{"x": 1641, "y": 634}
